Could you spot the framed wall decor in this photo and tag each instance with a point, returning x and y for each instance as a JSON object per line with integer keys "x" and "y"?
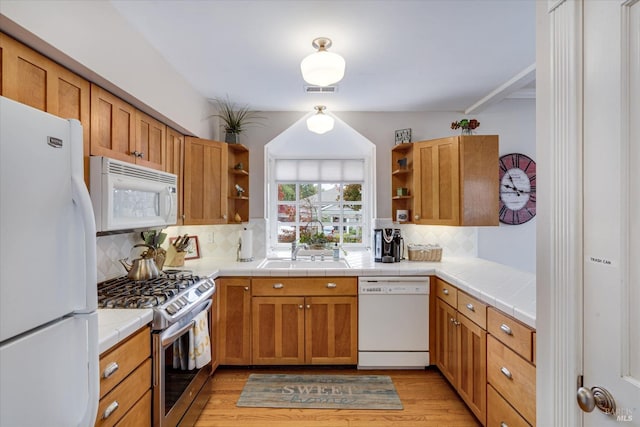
{"x": 403, "y": 136}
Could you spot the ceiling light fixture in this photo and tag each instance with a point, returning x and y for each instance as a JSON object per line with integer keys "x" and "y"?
{"x": 322, "y": 68}
{"x": 320, "y": 123}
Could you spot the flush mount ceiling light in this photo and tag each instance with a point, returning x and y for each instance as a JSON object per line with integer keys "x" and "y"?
{"x": 320, "y": 123}
{"x": 322, "y": 68}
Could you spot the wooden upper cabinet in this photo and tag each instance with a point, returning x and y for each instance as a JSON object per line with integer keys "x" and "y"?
{"x": 35, "y": 80}
{"x": 205, "y": 182}
{"x": 175, "y": 165}
{"x": 112, "y": 126}
{"x": 151, "y": 142}
{"x": 456, "y": 181}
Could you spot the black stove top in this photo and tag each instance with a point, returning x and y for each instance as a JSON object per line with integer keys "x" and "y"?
{"x": 123, "y": 292}
{"x": 175, "y": 296}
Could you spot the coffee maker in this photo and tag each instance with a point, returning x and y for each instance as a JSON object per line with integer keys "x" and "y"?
{"x": 388, "y": 245}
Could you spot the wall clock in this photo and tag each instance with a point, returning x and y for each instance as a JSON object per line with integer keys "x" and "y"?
{"x": 517, "y": 189}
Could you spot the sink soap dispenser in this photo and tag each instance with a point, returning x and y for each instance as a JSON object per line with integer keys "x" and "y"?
{"x": 336, "y": 252}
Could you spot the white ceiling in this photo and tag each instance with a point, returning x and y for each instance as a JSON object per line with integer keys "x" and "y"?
{"x": 401, "y": 55}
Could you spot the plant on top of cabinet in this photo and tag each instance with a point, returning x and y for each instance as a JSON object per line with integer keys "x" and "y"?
{"x": 235, "y": 118}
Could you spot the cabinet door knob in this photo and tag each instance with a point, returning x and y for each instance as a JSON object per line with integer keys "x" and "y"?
{"x": 110, "y": 409}
{"x": 308, "y": 305}
{"x": 246, "y": 288}
{"x": 445, "y": 291}
{"x": 507, "y": 330}
{"x": 416, "y": 216}
{"x": 506, "y": 372}
{"x": 278, "y": 286}
{"x": 300, "y": 306}
{"x": 110, "y": 369}
{"x": 471, "y": 307}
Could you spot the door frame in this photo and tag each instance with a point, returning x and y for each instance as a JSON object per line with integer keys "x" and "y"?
{"x": 559, "y": 252}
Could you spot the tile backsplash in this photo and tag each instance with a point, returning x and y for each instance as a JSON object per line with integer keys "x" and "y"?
{"x": 221, "y": 241}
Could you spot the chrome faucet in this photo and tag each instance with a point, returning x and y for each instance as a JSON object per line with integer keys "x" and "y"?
{"x": 296, "y": 248}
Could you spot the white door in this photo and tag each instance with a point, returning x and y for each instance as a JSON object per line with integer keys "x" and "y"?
{"x": 611, "y": 133}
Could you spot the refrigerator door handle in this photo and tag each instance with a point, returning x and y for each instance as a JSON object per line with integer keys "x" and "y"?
{"x": 93, "y": 370}
{"x": 81, "y": 196}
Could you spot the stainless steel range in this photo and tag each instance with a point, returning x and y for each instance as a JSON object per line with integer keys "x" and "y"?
{"x": 176, "y": 298}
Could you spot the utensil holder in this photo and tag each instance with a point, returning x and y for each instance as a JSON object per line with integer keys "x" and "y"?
{"x": 174, "y": 258}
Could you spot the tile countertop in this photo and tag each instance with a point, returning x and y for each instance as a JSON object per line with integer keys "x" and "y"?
{"x": 115, "y": 325}
{"x": 508, "y": 289}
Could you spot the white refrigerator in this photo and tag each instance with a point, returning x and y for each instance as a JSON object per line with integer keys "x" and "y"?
{"x": 48, "y": 300}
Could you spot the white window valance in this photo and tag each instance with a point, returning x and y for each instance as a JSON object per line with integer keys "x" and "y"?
{"x": 319, "y": 170}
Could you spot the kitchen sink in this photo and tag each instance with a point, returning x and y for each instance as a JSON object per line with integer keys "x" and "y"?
{"x": 283, "y": 263}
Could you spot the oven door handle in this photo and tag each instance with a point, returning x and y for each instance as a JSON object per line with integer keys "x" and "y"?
{"x": 167, "y": 337}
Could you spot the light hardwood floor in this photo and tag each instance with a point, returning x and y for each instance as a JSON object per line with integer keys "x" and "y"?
{"x": 427, "y": 397}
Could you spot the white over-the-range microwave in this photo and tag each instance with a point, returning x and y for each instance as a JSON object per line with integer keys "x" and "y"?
{"x": 127, "y": 196}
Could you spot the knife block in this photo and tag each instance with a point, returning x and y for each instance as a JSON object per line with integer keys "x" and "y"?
{"x": 174, "y": 258}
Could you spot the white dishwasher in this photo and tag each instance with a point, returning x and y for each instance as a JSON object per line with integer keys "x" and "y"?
{"x": 393, "y": 322}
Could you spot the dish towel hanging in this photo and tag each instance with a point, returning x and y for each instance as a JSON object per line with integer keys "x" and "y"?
{"x": 193, "y": 350}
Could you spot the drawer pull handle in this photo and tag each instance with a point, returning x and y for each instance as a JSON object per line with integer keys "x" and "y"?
{"x": 506, "y": 329}
{"x": 471, "y": 307}
{"x": 445, "y": 291}
{"x": 503, "y": 424}
{"x": 506, "y": 372}
{"x": 110, "y": 369}
{"x": 278, "y": 286}
{"x": 331, "y": 285}
{"x": 110, "y": 409}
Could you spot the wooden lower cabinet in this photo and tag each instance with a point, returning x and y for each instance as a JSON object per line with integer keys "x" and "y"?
{"x": 461, "y": 351}
{"x": 125, "y": 383}
{"x": 331, "y": 325}
{"x": 500, "y": 413}
{"x": 235, "y": 321}
{"x": 472, "y": 380}
{"x": 297, "y": 321}
{"x": 278, "y": 330}
{"x": 513, "y": 377}
{"x": 446, "y": 341}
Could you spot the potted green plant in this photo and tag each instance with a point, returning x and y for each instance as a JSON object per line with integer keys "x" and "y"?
{"x": 234, "y": 118}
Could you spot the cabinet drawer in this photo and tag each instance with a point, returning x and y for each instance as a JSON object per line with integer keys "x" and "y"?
{"x": 514, "y": 334}
{"x": 447, "y": 292}
{"x": 304, "y": 286}
{"x": 139, "y": 415}
{"x": 500, "y": 413}
{"x": 121, "y": 361}
{"x": 472, "y": 308}
{"x": 124, "y": 395}
{"x": 513, "y": 377}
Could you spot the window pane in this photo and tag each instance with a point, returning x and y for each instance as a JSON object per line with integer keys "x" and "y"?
{"x": 352, "y": 213}
{"x": 330, "y": 192}
{"x": 352, "y": 234}
{"x": 353, "y": 192}
{"x": 286, "y": 192}
{"x": 286, "y": 234}
{"x": 307, "y": 191}
{"x": 286, "y": 213}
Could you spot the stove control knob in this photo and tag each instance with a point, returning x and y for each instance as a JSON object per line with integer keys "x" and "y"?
{"x": 171, "y": 310}
{"x": 177, "y": 307}
{"x": 204, "y": 286}
{"x": 182, "y": 302}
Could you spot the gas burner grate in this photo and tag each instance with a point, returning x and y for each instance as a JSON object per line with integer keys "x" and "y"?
{"x": 123, "y": 292}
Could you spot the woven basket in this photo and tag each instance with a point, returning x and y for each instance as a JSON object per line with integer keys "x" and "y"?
{"x": 430, "y": 253}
